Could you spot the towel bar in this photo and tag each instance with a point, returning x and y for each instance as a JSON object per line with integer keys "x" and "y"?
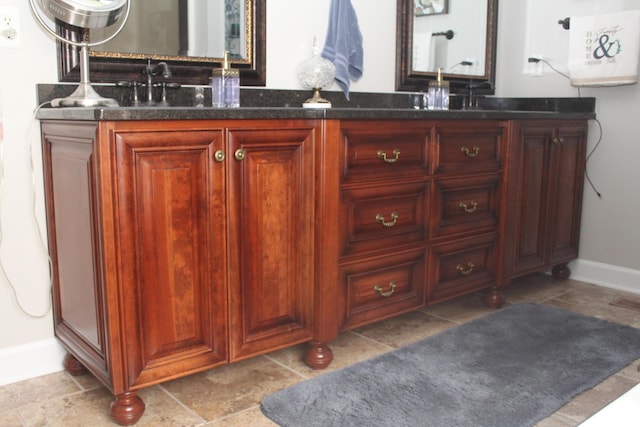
{"x": 448, "y": 34}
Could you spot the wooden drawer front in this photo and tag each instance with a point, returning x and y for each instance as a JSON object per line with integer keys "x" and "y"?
{"x": 472, "y": 147}
{"x": 465, "y": 205}
{"x": 374, "y": 218}
{"x": 375, "y": 149}
{"x": 461, "y": 266}
{"x": 382, "y": 287}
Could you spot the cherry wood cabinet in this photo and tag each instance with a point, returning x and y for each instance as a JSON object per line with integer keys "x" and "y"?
{"x": 182, "y": 245}
{"x": 178, "y": 246}
{"x": 546, "y": 179}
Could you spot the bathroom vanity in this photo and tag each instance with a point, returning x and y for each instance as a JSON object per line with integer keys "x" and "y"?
{"x": 183, "y": 239}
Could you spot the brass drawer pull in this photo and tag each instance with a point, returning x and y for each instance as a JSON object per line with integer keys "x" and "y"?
{"x": 558, "y": 140}
{"x": 467, "y": 208}
{"x": 394, "y": 219}
{"x": 470, "y": 153}
{"x": 465, "y": 272}
{"x": 383, "y": 155}
{"x": 385, "y": 294}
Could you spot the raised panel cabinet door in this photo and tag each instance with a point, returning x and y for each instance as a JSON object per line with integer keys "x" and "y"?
{"x": 568, "y": 165}
{"x": 529, "y": 191}
{"x": 171, "y": 234}
{"x": 271, "y": 238}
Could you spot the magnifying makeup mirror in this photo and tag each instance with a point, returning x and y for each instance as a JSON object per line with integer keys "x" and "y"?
{"x": 84, "y": 14}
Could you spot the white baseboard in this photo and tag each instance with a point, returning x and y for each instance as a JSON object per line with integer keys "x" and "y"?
{"x": 30, "y": 360}
{"x": 607, "y": 275}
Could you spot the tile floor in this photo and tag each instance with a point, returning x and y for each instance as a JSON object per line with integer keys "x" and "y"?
{"x": 230, "y": 395}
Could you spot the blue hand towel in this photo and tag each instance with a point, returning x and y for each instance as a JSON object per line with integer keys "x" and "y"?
{"x": 343, "y": 45}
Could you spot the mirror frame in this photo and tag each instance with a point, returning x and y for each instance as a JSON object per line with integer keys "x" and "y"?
{"x": 112, "y": 68}
{"x": 409, "y": 80}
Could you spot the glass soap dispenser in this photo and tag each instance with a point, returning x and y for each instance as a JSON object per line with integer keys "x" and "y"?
{"x": 225, "y": 85}
{"x": 438, "y": 94}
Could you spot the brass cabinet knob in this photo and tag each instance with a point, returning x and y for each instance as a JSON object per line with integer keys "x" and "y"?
{"x": 219, "y": 156}
{"x": 240, "y": 154}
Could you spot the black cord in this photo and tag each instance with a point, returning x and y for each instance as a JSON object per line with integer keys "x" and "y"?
{"x": 586, "y": 170}
{"x": 536, "y": 60}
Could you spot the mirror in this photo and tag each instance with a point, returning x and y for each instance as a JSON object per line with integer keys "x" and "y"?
{"x": 458, "y": 36}
{"x": 179, "y": 32}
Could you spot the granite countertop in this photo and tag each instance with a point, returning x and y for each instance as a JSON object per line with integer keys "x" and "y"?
{"x": 282, "y": 104}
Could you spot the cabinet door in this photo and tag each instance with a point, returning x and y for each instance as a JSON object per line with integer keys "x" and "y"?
{"x": 546, "y": 182}
{"x": 565, "y": 195}
{"x": 171, "y": 234}
{"x": 271, "y": 220}
{"x": 529, "y": 187}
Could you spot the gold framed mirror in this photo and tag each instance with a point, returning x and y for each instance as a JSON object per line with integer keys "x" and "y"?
{"x": 243, "y": 28}
{"x": 456, "y": 40}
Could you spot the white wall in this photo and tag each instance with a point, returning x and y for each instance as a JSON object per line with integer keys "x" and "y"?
{"x": 610, "y": 250}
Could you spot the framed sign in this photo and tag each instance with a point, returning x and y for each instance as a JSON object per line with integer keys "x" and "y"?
{"x": 430, "y": 7}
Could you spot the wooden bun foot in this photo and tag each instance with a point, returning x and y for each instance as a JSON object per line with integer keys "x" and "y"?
{"x": 126, "y": 409}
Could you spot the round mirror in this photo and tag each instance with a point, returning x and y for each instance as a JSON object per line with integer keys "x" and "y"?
{"x": 85, "y": 13}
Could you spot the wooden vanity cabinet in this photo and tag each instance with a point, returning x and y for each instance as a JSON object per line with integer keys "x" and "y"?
{"x": 545, "y": 186}
{"x": 181, "y": 245}
{"x": 178, "y": 246}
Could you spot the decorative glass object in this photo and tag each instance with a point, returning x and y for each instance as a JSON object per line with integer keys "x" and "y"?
{"x": 316, "y": 73}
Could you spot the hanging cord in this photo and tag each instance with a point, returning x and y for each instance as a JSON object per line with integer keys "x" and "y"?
{"x": 586, "y": 169}
{"x": 534, "y": 60}
{"x": 43, "y": 245}
{"x": 593, "y": 150}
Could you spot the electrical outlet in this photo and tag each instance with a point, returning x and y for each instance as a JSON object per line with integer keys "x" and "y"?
{"x": 10, "y": 27}
{"x": 535, "y": 68}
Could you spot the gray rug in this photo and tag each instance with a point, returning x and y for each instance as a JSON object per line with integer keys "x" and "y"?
{"x": 511, "y": 368}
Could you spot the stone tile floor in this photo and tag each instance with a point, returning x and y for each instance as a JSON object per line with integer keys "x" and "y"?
{"x": 230, "y": 395}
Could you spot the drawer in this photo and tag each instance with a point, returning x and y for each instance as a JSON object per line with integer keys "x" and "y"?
{"x": 461, "y": 266}
{"x": 465, "y": 205}
{"x": 381, "y": 287}
{"x": 469, "y": 147}
{"x": 374, "y": 149}
{"x": 374, "y": 218}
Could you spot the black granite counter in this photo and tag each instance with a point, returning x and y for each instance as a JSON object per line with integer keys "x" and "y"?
{"x": 284, "y": 104}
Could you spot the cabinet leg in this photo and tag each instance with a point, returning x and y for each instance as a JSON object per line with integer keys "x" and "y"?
{"x": 494, "y": 298}
{"x": 126, "y": 409}
{"x": 561, "y": 272}
{"x": 73, "y": 366}
{"x": 319, "y": 355}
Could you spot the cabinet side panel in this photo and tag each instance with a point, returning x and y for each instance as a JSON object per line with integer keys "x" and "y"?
{"x": 74, "y": 242}
{"x": 74, "y": 239}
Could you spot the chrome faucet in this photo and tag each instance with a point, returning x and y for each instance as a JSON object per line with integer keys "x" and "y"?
{"x": 153, "y": 70}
